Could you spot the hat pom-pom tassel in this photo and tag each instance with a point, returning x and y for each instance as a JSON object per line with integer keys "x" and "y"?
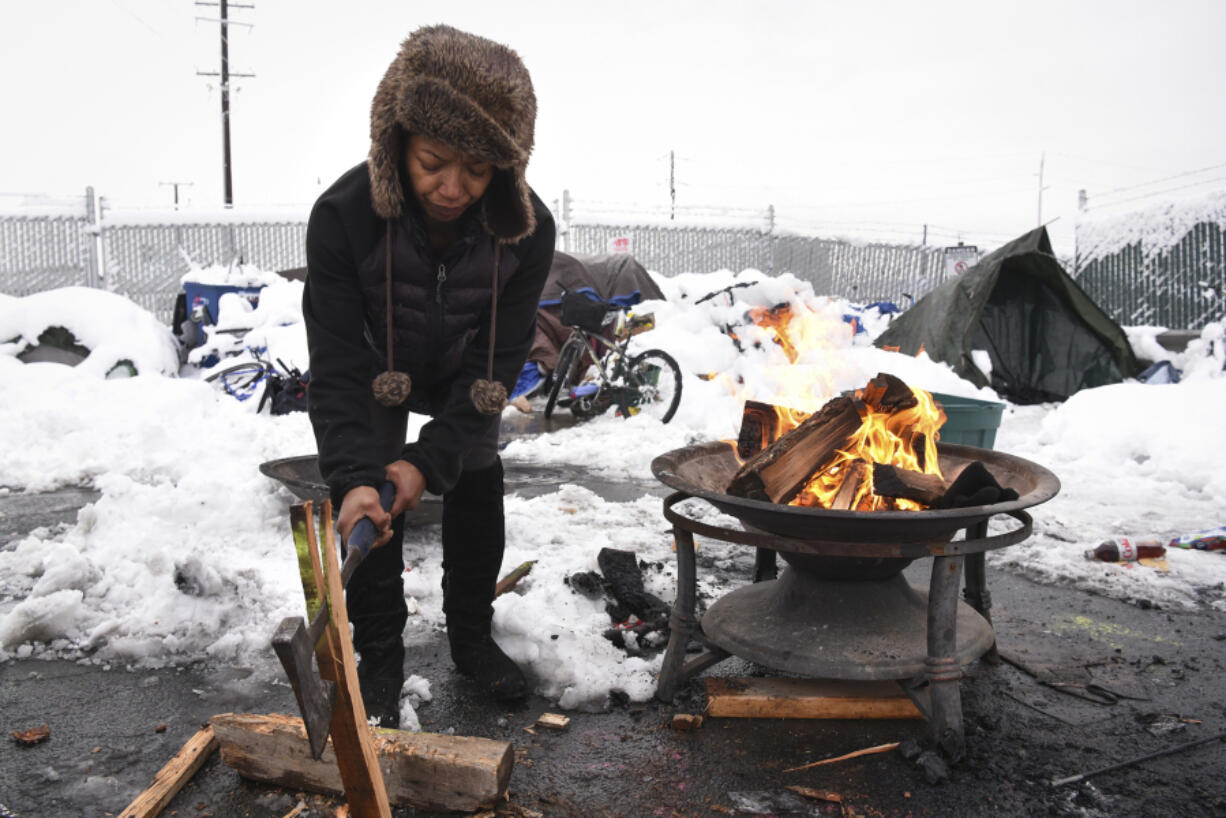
{"x": 392, "y": 388}
{"x": 490, "y": 397}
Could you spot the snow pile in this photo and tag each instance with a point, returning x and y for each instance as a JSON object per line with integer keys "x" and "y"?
{"x": 272, "y": 330}
{"x": 114, "y": 330}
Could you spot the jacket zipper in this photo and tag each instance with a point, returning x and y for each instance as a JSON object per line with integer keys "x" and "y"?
{"x": 437, "y": 329}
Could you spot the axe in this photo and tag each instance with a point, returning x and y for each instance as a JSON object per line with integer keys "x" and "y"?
{"x": 294, "y": 641}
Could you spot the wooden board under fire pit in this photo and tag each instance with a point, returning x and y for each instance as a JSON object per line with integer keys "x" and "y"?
{"x": 791, "y": 698}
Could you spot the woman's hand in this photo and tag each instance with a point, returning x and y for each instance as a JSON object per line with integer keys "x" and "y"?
{"x": 409, "y": 482}
{"x": 359, "y": 502}
{"x": 363, "y": 501}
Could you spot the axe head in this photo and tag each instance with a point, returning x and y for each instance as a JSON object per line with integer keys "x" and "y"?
{"x": 316, "y": 696}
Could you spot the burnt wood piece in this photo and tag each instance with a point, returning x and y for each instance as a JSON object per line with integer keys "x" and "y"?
{"x": 781, "y": 470}
{"x": 891, "y": 481}
{"x": 625, "y": 580}
{"x": 886, "y": 393}
{"x": 759, "y": 426}
{"x": 845, "y": 497}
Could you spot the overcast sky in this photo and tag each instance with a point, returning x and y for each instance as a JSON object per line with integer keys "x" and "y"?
{"x": 866, "y": 118}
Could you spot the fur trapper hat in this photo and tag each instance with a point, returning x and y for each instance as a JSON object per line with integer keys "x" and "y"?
{"x": 475, "y": 96}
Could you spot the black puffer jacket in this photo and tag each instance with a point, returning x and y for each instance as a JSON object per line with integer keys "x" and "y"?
{"x": 441, "y": 328}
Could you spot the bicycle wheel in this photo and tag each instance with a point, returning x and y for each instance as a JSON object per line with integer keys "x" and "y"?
{"x": 656, "y": 378}
{"x": 563, "y": 374}
{"x": 242, "y": 380}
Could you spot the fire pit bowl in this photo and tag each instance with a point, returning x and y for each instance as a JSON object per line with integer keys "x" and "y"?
{"x": 703, "y": 470}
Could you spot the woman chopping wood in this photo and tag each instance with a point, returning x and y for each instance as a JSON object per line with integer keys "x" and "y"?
{"x": 424, "y": 269}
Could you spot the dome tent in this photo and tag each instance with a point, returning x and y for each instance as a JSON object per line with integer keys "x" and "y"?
{"x": 1045, "y": 337}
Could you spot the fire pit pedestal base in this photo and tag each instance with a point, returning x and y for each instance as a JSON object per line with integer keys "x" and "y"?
{"x": 745, "y": 621}
{"x": 837, "y": 629}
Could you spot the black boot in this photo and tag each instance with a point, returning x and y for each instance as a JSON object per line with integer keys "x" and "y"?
{"x": 375, "y": 602}
{"x": 473, "y": 541}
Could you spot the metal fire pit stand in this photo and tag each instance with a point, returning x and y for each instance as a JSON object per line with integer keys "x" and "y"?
{"x": 936, "y": 692}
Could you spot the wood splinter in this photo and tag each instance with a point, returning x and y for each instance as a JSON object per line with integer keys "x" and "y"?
{"x": 880, "y": 748}
{"x": 554, "y": 721}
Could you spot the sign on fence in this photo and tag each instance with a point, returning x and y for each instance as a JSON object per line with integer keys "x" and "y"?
{"x": 960, "y": 259}
{"x": 619, "y": 244}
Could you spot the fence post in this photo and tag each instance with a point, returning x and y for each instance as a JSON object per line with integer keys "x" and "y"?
{"x": 566, "y": 220}
{"x": 92, "y": 227}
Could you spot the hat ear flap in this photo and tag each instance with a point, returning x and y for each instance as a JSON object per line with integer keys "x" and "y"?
{"x": 507, "y": 207}
{"x": 383, "y": 163}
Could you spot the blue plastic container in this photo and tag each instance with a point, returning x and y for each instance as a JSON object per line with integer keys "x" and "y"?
{"x": 209, "y": 296}
{"x": 969, "y": 421}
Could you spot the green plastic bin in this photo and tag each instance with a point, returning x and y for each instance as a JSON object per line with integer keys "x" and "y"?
{"x": 969, "y": 421}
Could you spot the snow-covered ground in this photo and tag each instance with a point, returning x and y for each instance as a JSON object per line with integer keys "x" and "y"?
{"x": 187, "y": 553}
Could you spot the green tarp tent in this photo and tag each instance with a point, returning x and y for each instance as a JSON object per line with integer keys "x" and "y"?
{"x": 1045, "y": 337}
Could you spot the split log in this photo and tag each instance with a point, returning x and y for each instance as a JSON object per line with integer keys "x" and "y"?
{"x": 422, "y": 770}
{"x": 356, "y": 759}
{"x": 171, "y": 778}
{"x": 886, "y": 394}
{"x": 781, "y": 470}
{"x": 789, "y": 698}
{"x": 891, "y": 481}
{"x": 845, "y": 497}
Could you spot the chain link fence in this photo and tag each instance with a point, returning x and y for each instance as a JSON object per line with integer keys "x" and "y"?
{"x": 145, "y": 255}
{"x": 857, "y": 272}
{"x": 1179, "y": 286}
{"x": 141, "y": 255}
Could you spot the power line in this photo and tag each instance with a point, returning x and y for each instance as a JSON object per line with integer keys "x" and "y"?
{"x": 1157, "y": 193}
{"x": 1160, "y": 181}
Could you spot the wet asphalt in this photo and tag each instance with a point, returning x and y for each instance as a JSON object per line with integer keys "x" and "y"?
{"x": 1155, "y": 682}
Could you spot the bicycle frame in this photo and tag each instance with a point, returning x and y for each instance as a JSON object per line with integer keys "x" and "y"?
{"x": 611, "y": 360}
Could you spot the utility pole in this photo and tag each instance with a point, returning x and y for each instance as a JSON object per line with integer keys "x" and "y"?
{"x": 1042, "y": 158}
{"x": 672, "y": 185}
{"x": 225, "y": 22}
{"x": 175, "y": 185}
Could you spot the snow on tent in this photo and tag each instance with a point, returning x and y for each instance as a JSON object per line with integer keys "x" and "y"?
{"x": 1045, "y": 337}
{"x": 616, "y": 278}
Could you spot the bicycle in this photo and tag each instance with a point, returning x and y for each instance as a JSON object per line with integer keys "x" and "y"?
{"x": 280, "y": 385}
{"x": 595, "y": 373}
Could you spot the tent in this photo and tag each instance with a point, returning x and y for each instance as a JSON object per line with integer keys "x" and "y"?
{"x": 617, "y": 278}
{"x": 1045, "y": 337}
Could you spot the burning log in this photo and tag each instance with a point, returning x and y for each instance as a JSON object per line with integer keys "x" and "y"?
{"x": 759, "y": 427}
{"x": 886, "y": 393}
{"x": 782, "y": 469}
{"x": 849, "y": 489}
{"x": 891, "y": 481}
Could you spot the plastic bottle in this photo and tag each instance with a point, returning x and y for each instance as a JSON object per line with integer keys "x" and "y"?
{"x": 1126, "y": 549}
{"x": 1212, "y": 540}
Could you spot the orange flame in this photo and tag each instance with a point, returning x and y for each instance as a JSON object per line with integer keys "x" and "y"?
{"x": 777, "y": 319}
